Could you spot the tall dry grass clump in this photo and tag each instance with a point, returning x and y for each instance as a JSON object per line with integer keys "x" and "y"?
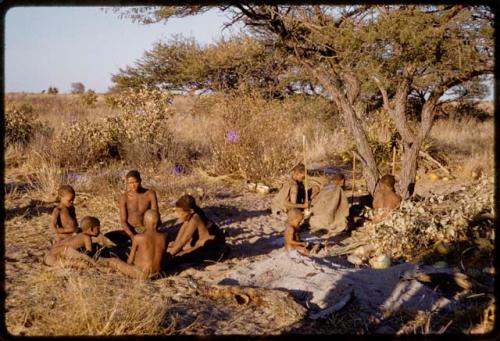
{"x": 255, "y": 140}
{"x": 69, "y": 304}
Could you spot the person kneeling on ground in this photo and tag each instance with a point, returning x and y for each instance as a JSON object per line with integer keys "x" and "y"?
{"x": 66, "y": 251}
{"x": 385, "y": 198}
{"x": 147, "y": 253}
{"x": 198, "y": 238}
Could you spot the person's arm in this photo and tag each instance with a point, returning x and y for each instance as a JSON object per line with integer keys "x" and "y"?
{"x": 292, "y": 202}
{"x": 314, "y": 192}
{"x": 186, "y": 236}
{"x": 53, "y": 220}
{"x": 133, "y": 251}
{"x": 129, "y": 230}
{"x": 154, "y": 205}
{"x": 88, "y": 244}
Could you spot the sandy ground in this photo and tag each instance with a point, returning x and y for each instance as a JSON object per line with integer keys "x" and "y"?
{"x": 302, "y": 287}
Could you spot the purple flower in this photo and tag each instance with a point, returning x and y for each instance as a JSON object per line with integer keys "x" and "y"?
{"x": 232, "y": 136}
{"x": 177, "y": 170}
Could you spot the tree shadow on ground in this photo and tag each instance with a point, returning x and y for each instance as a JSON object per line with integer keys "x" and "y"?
{"x": 227, "y": 214}
{"x": 35, "y": 208}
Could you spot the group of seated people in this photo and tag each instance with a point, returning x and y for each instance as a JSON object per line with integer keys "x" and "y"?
{"x": 198, "y": 238}
{"x": 151, "y": 253}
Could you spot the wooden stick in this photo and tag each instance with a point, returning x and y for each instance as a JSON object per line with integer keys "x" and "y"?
{"x": 353, "y": 176}
{"x": 305, "y": 166}
{"x": 394, "y": 160}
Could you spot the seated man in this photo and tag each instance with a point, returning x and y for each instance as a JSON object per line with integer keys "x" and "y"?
{"x": 198, "y": 238}
{"x": 330, "y": 209}
{"x": 65, "y": 251}
{"x": 134, "y": 203}
{"x": 147, "y": 253}
{"x": 385, "y": 198}
{"x": 292, "y": 193}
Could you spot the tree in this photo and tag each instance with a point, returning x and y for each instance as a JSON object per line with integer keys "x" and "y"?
{"x": 77, "y": 88}
{"x": 182, "y": 65}
{"x": 357, "y": 53}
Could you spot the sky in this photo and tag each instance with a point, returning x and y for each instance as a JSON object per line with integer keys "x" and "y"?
{"x": 56, "y": 46}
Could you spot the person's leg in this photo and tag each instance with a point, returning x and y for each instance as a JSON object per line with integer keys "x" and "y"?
{"x": 126, "y": 268}
{"x": 72, "y": 254}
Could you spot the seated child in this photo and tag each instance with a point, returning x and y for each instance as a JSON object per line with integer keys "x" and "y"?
{"x": 63, "y": 222}
{"x": 66, "y": 251}
{"x": 291, "y": 234}
{"x": 385, "y": 198}
{"x": 148, "y": 249}
{"x": 198, "y": 238}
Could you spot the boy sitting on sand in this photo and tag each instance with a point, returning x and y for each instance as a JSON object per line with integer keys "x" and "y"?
{"x": 66, "y": 251}
{"x": 148, "y": 249}
{"x": 385, "y": 198}
{"x": 63, "y": 222}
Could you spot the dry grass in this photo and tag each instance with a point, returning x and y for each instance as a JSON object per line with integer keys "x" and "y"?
{"x": 66, "y": 303}
{"x": 469, "y": 143}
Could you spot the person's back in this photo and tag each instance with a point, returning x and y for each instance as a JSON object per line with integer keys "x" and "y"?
{"x": 150, "y": 251}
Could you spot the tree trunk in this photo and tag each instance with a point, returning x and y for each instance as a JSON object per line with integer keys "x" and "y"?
{"x": 370, "y": 169}
{"x": 408, "y": 170}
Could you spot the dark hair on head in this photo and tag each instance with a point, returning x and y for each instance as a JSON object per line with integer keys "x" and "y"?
{"x": 299, "y": 168}
{"x": 388, "y": 180}
{"x": 338, "y": 177}
{"x": 65, "y": 189}
{"x": 187, "y": 202}
{"x": 133, "y": 174}
{"x": 89, "y": 222}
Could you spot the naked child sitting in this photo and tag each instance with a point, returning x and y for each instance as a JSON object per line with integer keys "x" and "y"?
{"x": 148, "y": 249}
{"x": 385, "y": 198}
{"x": 66, "y": 251}
{"x": 63, "y": 222}
{"x": 134, "y": 203}
{"x": 291, "y": 234}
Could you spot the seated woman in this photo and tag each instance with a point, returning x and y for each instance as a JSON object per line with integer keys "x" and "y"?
{"x": 198, "y": 239}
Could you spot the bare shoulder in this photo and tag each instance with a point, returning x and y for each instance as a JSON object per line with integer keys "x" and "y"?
{"x": 56, "y": 210}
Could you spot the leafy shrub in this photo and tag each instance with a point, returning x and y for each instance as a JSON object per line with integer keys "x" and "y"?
{"x": 52, "y": 90}
{"x": 21, "y": 124}
{"x": 89, "y": 98}
{"x": 142, "y": 122}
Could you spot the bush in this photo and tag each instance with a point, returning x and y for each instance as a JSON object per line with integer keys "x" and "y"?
{"x": 52, "y": 90}
{"x": 21, "y": 124}
{"x": 89, "y": 98}
{"x": 253, "y": 142}
{"x": 142, "y": 122}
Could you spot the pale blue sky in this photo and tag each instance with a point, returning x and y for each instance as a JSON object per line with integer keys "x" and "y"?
{"x": 59, "y": 45}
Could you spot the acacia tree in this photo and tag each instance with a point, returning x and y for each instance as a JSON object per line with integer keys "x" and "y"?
{"x": 350, "y": 52}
